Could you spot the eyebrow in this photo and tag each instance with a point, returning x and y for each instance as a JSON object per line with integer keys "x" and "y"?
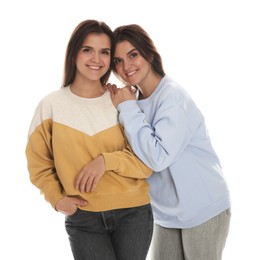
{"x": 85, "y": 46}
{"x": 134, "y": 49}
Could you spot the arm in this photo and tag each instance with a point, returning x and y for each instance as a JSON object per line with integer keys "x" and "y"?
{"x": 118, "y": 160}
{"x": 40, "y": 162}
{"x": 157, "y": 144}
{"x": 124, "y": 163}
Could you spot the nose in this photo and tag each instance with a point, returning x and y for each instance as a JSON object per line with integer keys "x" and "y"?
{"x": 96, "y": 57}
{"x": 126, "y": 64}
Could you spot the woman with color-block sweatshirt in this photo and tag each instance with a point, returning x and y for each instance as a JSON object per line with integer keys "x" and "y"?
{"x": 74, "y": 134}
{"x": 189, "y": 196}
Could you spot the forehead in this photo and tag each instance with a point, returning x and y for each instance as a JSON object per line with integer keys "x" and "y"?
{"x": 123, "y": 48}
{"x": 99, "y": 40}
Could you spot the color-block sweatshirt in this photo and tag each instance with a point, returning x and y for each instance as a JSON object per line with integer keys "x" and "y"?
{"x": 66, "y": 133}
{"x": 167, "y": 131}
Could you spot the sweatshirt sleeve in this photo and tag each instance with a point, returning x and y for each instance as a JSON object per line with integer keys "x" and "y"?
{"x": 40, "y": 161}
{"x": 157, "y": 144}
{"x": 126, "y": 163}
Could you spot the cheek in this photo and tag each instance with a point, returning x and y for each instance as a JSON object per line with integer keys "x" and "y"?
{"x": 107, "y": 61}
{"x": 118, "y": 69}
{"x": 80, "y": 59}
{"x": 143, "y": 63}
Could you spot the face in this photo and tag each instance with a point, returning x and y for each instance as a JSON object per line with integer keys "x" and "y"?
{"x": 130, "y": 65}
{"x": 93, "y": 59}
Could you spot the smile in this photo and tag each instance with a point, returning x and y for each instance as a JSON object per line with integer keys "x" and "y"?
{"x": 131, "y": 73}
{"x": 94, "y": 67}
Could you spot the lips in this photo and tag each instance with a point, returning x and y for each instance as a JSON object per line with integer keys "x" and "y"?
{"x": 94, "y": 67}
{"x": 129, "y": 74}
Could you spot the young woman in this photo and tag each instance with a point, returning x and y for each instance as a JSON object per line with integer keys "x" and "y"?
{"x": 166, "y": 130}
{"x": 74, "y": 133}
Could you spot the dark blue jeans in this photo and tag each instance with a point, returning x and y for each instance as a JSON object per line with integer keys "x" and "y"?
{"x": 122, "y": 234}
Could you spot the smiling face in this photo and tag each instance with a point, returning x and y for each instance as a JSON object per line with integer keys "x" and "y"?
{"x": 93, "y": 59}
{"x": 130, "y": 65}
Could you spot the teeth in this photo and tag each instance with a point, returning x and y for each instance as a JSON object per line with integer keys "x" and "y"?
{"x": 131, "y": 73}
{"x": 95, "y": 67}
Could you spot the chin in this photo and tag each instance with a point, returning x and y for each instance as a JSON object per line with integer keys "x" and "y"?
{"x": 132, "y": 82}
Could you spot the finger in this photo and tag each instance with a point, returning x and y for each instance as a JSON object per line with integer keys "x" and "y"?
{"x": 83, "y": 184}
{"x": 82, "y": 180}
{"x": 94, "y": 184}
{"x": 113, "y": 93}
{"x": 78, "y": 180}
{"x": 114, "y": 89}
{"x": 80, "y": 202}
{"x": 88, "y": 184}
{"x": 108, "y": 86}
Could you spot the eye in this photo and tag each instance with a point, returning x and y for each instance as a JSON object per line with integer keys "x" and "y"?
{"x": 133, "y": 54}
{"x": 116, "y": 61}
{"x": 106, "y": 52}
{"x": 86, "y": 50}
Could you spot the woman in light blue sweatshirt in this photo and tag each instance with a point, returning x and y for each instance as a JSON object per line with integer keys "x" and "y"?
{"x": 167, "y": 131}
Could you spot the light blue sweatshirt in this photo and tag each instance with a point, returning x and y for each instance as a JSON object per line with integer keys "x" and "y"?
{"x": 167, "y": 132}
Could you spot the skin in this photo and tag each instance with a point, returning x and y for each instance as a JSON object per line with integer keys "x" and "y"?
{"x": 133, "y": 69}
{"x": 92, "y": 62}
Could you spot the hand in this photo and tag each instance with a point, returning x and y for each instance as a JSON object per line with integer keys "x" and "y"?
{"x": 90, "y": 175}
{"x": 119, "y": 95}
{"x": 112, "y": 88}
{"x": 68, "y": 205}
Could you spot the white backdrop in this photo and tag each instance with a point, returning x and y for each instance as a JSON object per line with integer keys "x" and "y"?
{"x": 207, "y": 46}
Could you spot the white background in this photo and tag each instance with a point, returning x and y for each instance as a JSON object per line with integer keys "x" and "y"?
{"x": 207, "y": 46}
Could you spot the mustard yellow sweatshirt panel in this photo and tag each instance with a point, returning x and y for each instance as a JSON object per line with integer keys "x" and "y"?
{"x": 66, "y": 133}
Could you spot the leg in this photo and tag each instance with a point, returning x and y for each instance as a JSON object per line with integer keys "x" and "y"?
{"x": 132, "y": 236}
{"x": 166, "y": 244}
{"x": 207, "y": 241}
{"x": 88, "y": 237}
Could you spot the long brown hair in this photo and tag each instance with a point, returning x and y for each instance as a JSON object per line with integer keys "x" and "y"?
{"x": 82, "y": 30}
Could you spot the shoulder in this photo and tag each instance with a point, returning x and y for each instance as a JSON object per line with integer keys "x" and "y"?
{"x": 172, "y": 92}
{"x": 44, "y": 107}
{"x": 53, "y": 96}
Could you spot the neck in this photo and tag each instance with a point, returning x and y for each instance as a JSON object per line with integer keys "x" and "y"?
{"x": 148, "y": 86}
{"x": 91, "y": 89}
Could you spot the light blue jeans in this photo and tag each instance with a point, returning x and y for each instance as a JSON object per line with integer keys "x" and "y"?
{"x": 122, "y": 234}
{"x": 204, "y": 242}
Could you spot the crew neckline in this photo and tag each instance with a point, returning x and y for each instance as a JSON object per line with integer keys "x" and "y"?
{"x": 83, "y": 100}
